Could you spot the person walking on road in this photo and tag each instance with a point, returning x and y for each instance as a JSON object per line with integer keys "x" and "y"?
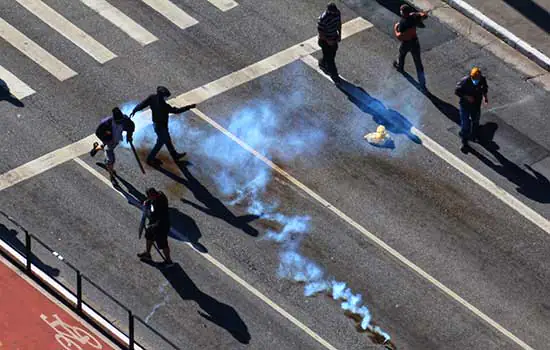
{"x": 405, "y": 31}
{"x": 160, "y": 110}
{"x": 329, "y": 27}
{"x": 471, "y": 89}
{"x": 109, "y": 132}
{"x": 156, "y": 206}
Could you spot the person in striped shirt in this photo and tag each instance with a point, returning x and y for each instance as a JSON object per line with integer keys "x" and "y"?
{"x": 329, "y": 27}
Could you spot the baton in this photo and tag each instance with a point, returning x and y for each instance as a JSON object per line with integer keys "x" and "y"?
{"x": 137, "y": 157}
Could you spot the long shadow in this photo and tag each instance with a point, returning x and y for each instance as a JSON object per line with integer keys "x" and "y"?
{"x": 213, "y": 310}
{"x": 10, "y": 236}
{"x": 532, "y": 11}
{"x": 6, "y": 95}
{"x": 211, "y": 205}
{"x": 394, "y": 121}
{"x": 182, "y": 227}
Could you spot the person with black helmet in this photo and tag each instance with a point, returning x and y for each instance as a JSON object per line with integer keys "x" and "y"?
{"x": 329, "y": 27}
{"x": 156, "y": 207}
{"x": 405, "y": 31}
{"x": 160, "y": 110}
{"x": 109, "y": 132}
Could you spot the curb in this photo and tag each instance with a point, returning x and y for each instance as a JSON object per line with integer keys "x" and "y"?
{"x": 502, "y": 33}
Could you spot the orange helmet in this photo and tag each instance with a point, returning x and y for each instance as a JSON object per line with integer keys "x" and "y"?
{"x": 475, "y": 72}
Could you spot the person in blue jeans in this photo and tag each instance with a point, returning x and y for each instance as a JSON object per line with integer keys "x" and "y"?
{"x": 160, "y": 110}
{"x": 471, "y": 90}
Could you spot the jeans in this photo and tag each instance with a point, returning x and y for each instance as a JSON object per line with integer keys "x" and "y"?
{"x": 110, "y": 153}
{"x": 469, "y": 120}
{"x": 329, "y": 54}
{"x": 412, "y": 46}
{"x": 163, "y": 138}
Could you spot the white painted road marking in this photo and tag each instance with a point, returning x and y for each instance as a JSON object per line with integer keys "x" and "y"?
{"x": 197, "y": 95}
{"x": 224, "y": 5}
{"x": 465, "y": 169}
{"x": 232, "y": 275}
{"x": 173, "y": 13}
{"x": 365, "y": 232}
{"x": 36, "y": 53}
{"x": 64, "y": 27}
{"x": 123, "y": 22}
{"x": 46, "y": 162}
{"x": 18, "y": 88}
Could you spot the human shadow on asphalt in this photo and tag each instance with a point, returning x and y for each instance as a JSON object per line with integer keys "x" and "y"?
{"x": 213, "y": 310}
{"x": 6, "y": 95}
{"x": 394, "y": 121}
{"x": 532, "y": 11}
{"x": 182, "y": 227}
{"x": 10, "y": 236}
{"x": 210, "y": 204}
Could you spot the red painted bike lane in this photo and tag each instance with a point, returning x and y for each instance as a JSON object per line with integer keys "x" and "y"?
{"x": 31, "y": 319}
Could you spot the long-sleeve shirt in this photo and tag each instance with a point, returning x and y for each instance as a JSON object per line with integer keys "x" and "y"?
{"x": 465, "y": 87}
{"x": 329, "y": 26}
{"x": 159, "y": 108}
{"x": 110, "y": 132}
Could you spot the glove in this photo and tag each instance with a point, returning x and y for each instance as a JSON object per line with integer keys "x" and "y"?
{"x": 132, "y": 114}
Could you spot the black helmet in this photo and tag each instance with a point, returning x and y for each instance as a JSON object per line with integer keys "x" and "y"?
{"x": 162, "y": 91}
{"x": 406, "y": 9}
{"x": 331, "y": 7}
{"x": 117, "y": 114}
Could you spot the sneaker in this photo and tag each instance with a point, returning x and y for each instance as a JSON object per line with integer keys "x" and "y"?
{"x": 94, "y": 150}
{"x": 154, "y": 162}
{"x": 144, "y": 256}
{"x": 396, "y": 66}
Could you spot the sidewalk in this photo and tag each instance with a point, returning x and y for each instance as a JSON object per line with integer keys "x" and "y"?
{"x": 31, "y": 319}
{"x": 527, "y": 19}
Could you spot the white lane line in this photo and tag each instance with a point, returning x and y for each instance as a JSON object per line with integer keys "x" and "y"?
{"x": 64, "y": 27}
{"x": 123, "y": 22}
{"x": 466, "y": 169}
{"x": 46, "y": 162}
{"x": 224, "y": 5}
{"x": 36, "y": 53}
{"x": 365, "y": 232}
{"x": 266, "y": 65}
{"x": 197, "y": 95}
{"x": 17, "y": 87}
{"x": 173, "y": 13}
{"x": 233, "y": 276}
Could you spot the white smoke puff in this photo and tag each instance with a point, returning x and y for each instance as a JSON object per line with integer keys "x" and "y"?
{"x": 296, "y": 267}
{"x": 378, "y": 330}
{"x": 338, "y": 289}
{"x": 313, "y": 288}
{"x": 353, "y": 303}
{"x": 292, "y": 225}
{"x": 365, "y": 313}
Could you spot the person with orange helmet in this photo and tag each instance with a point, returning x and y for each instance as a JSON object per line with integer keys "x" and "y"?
{"x": 471, "y": 90}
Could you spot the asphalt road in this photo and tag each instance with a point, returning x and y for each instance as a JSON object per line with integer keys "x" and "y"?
{"x": 433, "y": 215}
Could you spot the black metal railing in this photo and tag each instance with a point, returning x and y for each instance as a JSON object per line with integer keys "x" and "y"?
{"x": 78, "y": 306}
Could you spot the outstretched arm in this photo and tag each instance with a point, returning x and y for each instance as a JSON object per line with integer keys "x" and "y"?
{"x": 175, "y": 110}
{"x": 142, "y": 105}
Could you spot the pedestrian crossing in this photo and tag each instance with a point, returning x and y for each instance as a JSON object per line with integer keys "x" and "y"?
{"x": 83, "y": 40}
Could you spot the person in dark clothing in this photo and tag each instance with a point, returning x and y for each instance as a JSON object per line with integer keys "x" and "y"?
{"x": 405, "y": 31}
{"x": 471, "y": 89}
{"x": 329, "y": 27}
{"x": 109, "y": 132}
{"x": 158, "y": 227}
{"x": 160, "y": 110}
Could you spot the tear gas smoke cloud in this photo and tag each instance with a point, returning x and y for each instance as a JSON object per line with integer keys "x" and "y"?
{"x": 264, "y": 125}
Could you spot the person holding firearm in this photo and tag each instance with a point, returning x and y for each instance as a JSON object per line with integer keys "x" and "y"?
{"x": 471, "y": 89}
{"x": 329, "y": 27}
{"x": 109, "y": 132}
{"x": 405, "y": 31}
{"x": 156, "y": 209}
{"x": 160, "y": 110}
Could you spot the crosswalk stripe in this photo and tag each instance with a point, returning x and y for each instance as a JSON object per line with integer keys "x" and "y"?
{"x": 36, "y": 53}
{"x": 173, "y": 13}
{"x": 224, "y": 5}
{"x": 64, "y": 27}
{"x": 17, "y": 88}
{"x": 123, "y": 22}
